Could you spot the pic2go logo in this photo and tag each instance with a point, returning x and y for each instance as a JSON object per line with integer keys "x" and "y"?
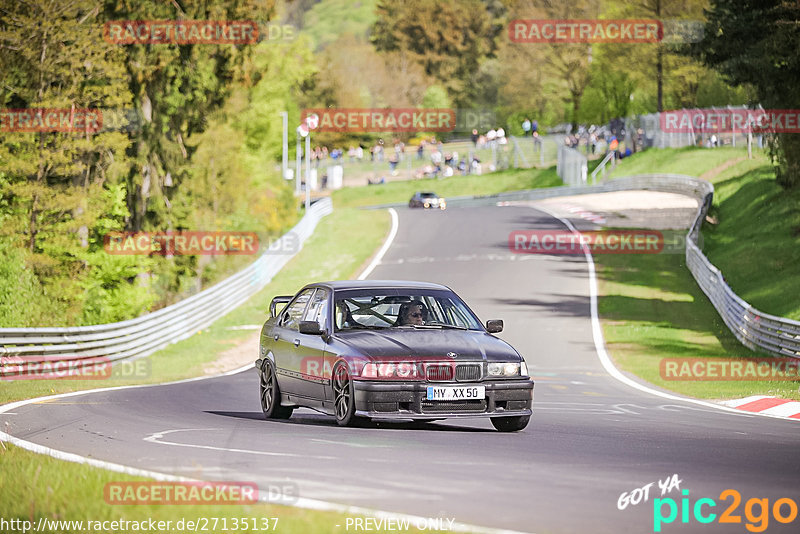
{"x": 757, "y": 522}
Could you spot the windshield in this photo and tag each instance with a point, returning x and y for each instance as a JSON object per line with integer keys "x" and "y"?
{"x": 413, "y": 308}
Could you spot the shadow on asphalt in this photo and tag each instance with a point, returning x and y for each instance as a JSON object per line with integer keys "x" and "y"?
{"x": 322, "y": 420}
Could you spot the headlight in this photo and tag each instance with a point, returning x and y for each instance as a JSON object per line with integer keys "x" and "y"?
{"x": 395, "y": 370}
{"x": 503, "y": 369}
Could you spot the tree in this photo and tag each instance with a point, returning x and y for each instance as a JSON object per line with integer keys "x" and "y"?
{"x": 61, "y": 192}
{"x": 449, "y": 38}
{"x": 55, "y": 189}
{"x": 566, "y": 66}
{"x": 756, "y": 42}
{"x": 177, "y": 87}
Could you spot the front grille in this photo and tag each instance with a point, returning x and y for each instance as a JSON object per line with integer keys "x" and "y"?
{"x": 439, "y": 373}
{"x": 468, "y": 372}
{"x": 453, "y": 406}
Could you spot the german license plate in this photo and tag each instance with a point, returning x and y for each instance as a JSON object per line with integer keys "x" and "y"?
{"x": 456, "y": 392}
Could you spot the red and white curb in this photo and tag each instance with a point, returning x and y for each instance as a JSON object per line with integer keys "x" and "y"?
{"x": 585, "y": 214}
{"x": 767, "y": 405}
{"x": 574, "y": 210}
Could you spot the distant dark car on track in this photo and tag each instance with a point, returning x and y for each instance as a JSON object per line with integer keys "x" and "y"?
{"x": 427, "y": 200}
{"x": 389, "y": 350}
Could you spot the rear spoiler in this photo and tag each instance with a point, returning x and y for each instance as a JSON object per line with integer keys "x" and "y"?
{"x": 284, "y": 299}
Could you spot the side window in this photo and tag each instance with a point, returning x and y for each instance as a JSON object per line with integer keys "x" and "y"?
{"x": 318, "y": 309}
{"x": 294, "y": 311}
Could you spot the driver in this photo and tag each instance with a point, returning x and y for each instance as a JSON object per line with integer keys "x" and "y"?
{"x": 412, "y": 313}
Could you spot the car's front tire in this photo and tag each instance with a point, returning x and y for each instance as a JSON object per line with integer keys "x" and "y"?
{"x": 511, "y": 424}
{"x": 271, "y": 394}
{"x": 344, "y": 403}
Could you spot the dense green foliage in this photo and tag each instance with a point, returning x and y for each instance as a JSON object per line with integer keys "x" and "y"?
{"x": 192, "y": 154}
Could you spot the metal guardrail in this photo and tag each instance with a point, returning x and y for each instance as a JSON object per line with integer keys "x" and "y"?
{"x": 572, "y": 166}
{"x": 611, "y": 156}
{"x": 74, "y": 347}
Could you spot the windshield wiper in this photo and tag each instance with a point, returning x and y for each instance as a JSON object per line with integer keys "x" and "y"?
{"x": 442, "y": 325}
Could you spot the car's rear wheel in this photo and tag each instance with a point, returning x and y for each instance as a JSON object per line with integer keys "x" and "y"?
{"x": 511, "y": 424}
{"x": 343, "y": 399}
{"x": 271, "y": 394}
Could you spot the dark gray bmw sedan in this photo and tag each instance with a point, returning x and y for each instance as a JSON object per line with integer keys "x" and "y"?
{"x": 389, "y": 350}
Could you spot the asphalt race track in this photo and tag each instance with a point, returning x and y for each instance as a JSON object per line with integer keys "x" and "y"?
{"x": 591, "y": 437}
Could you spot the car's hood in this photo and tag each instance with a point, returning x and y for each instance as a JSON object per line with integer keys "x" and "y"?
{"x": 424, "y": 343}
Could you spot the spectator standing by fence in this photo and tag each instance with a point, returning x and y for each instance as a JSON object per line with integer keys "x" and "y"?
{"x": 491, "y": 135}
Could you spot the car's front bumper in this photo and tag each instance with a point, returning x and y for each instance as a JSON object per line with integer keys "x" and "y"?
{"x": 408, "y": 400}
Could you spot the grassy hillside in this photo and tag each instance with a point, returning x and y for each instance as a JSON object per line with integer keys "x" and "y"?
{"x": 756, "y": 242}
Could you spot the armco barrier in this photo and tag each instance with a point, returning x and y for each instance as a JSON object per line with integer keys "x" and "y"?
{"x": 754, "y": 329}
{"x": 73, "y": 346}
{"x": 572, "y": 166}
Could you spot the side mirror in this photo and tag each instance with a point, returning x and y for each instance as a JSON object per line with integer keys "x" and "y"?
{"x": 494, "y": 325}
{"x": 310, "y": 327}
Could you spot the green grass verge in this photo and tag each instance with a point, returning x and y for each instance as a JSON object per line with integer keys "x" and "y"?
{"x": 484, "y": 184}
{"x": 651, "y": 307}
{"x": 37, "y": 486}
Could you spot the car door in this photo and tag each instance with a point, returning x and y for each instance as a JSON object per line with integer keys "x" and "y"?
{"x": 311, "y": 350}
{"x": 286, "y": 335}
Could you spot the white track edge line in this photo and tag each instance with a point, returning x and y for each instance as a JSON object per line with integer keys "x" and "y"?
{"x": 600, "y": 344}
{"x": 386, "y": 244}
